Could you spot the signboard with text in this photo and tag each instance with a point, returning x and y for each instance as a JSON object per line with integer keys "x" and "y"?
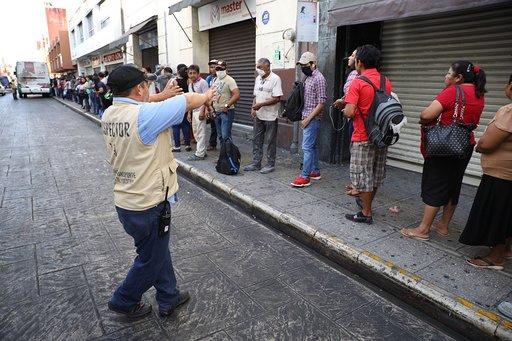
{"x": 112, "y": 57}
{"x": 224, "y": 12}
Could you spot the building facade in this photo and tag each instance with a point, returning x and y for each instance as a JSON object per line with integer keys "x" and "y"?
{"x": 59, "y": 54}
{"x": 419, "y": 41}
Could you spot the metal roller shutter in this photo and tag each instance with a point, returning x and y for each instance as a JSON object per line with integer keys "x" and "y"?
{"x": 417, "y": 52}
{"x": 236, "y": 44}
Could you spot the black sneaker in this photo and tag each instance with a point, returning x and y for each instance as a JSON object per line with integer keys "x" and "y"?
{"x": 252, "y": 167}
{"x": 359, "y": 218}
{"x": 184, "y": 297}
{"x": 138, "y": 311}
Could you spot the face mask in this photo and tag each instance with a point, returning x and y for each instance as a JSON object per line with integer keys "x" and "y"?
{"x": 260, "y": 72}
{"x": 221, "y": 74}
{"x": 307, "y": 70}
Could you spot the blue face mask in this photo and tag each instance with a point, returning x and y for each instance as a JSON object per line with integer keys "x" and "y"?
{"x": 307, "y": 70}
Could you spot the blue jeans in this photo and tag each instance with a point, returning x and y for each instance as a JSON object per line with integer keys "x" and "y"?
{"x": 310, "y": 149}
{"x": 176, "y": 132}
{"x": 153, "y": 264}
{"x": 224, "y": 122}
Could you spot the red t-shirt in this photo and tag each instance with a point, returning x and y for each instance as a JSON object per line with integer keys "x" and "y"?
{"x": 361, "y": 95}
{"x": 472, "y": 112}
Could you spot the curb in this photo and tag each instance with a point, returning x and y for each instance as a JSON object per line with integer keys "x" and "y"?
{"x": 459, "y": 314}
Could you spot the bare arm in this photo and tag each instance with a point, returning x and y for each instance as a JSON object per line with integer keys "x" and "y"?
{"x": 171, "y": 89}
{"x": 491, "y": 139}
{"x": 350, "y": 111}
{"x": 235, "y": 95}
{"x": 431, "y": 112}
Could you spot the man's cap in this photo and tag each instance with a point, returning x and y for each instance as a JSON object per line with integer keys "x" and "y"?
{"x": 213, "y": 61}
{"x": 126, "y": 77}
{"x": 221, "y": 65}
{"x": 306, "y": 58}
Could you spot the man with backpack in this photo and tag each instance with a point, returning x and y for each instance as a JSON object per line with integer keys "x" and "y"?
{"x": 368, "y": 161}
{"x": 315, "y": 96}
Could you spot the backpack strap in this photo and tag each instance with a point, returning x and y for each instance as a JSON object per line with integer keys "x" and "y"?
{"x": 370, "y": 82}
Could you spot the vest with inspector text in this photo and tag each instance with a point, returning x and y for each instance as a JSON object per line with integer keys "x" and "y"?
{"x": 142, "y": 172}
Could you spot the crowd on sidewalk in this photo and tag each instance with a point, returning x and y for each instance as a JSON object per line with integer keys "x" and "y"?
{"x": 461, "y": 101}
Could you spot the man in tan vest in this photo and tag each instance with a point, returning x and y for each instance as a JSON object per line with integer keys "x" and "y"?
{"x": 136, "y": 131}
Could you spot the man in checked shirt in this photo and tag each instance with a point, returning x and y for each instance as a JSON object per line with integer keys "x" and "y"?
{"x": 315, "y": 96}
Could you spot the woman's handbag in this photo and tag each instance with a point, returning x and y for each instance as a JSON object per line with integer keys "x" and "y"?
{"x": 449, "y": 141}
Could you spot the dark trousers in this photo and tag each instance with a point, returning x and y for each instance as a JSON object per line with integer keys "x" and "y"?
{"x": 264, "y": 132}
{"x": 176, "y": 132}
{"x": 153, "y": 264}
{"x": 213, "y": 135}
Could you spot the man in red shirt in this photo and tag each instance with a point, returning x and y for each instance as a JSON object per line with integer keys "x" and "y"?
{"x": 367, "y": 162}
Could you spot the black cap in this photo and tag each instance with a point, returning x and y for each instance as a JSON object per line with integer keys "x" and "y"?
{"x": 125, "y": 77}
{"x": 221, "y": 65}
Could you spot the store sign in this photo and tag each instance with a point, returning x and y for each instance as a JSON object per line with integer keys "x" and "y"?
{"x": 265, "y": 17}
{"x": 307, "y": 21}
{"x": 95, "y": 61}
{"x": 224, "y": 12}
{"x": 112, "y": 57}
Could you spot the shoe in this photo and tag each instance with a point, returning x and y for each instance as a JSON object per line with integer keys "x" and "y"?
{"x": 252, "y": 167}
{"x": 184, "y": 297}
{"x": 506, "y": 309}
{"x": 487, "y": 264}
{"x": 408, "y": 234}
{"x": 267, "y": 169}
{"x": 140, "y": 310}
{"x": 209, "y": 148}
{"x": 301, "y": 182}
{"x": 315, "y": 176}
{"x": 194, "y": 157}
{"x": 188, "y": 148}
{"x": 359, "y": 218}
{"x": 176, "y": 150}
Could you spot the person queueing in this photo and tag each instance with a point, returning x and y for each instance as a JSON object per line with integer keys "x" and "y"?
{"x": 441, "y": 180}
{"x": 185, "y": 125}
{"x": 490, "y": 219}
{"x": 137, "y": 135}
{"x": 14, "y": 89}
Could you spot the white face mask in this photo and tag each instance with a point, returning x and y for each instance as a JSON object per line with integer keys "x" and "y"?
{"x": 260, "y": 72}
{"x": 221, "y": 74}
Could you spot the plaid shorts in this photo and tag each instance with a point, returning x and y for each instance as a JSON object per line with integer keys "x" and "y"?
{"x": 367, "y": 166}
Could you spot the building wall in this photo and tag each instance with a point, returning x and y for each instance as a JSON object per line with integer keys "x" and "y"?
{"x": 107, "y": 26}
{"x": 136, "y": 12}
{"x": 56, "y": 21}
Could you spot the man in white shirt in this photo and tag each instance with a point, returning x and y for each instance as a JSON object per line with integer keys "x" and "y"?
{"x": 198, "y": 116}
{"x": 265, "y": 109}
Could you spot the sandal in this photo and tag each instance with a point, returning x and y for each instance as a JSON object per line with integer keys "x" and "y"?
{"x": 436, "y": 230}
{"x": 353, "y": 192}
{"x": 407, "y": 234}
{"x": 487, "y": 263}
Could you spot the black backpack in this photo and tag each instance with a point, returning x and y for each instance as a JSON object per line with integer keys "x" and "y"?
{"x": 229, "y": 158}
{"x": 385, "y": 118}
{"x": 295, "y": 103}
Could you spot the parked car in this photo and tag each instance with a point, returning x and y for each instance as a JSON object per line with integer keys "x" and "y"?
{"x": 4, "y": 85}
{"x": 2, "y": 90}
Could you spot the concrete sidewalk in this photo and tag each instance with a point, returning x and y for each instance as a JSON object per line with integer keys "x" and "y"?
{"x": 433, "y": 276}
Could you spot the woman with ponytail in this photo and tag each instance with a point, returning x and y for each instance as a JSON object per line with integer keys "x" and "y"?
{"x": 442, "y": 177}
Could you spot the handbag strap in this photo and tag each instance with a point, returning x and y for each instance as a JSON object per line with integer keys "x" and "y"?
{"x": 459, "y": 93}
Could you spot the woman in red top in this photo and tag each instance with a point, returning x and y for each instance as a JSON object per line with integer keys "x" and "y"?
{"x": 442, "y": 177}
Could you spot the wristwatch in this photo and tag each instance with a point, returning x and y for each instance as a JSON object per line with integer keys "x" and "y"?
{"x": 226, "y": 106}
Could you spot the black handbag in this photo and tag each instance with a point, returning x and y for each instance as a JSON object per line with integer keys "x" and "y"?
{"x": 450, "y": 141}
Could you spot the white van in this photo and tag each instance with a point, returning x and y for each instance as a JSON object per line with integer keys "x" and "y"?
{"x": 33, "y": 78}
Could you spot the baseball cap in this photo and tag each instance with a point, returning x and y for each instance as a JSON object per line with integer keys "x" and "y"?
{"x": 306, "y": 58}
{"x": 126, "y": 77}
{"x": 213, "y": 61}
{"x": 221, "y": 65}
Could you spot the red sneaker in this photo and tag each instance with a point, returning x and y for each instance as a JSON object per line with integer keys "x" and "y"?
{"x": 301, "y": 182}
{"x": 315, "y": 176}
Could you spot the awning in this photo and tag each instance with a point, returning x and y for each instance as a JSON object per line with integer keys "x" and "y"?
{"x": 185, "y": 3}
{"x": 134, "y": 29}
{"x": 351, "y": 12}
